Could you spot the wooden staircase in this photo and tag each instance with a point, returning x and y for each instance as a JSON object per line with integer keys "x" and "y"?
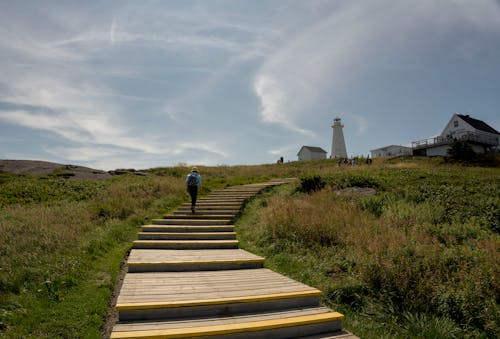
{"x": 187, "y": 278}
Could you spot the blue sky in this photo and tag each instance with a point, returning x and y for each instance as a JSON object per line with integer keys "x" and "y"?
{"x": 114, "y": 84}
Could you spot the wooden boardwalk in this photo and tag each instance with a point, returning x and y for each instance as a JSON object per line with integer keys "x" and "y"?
{"x": 187, "y": 278}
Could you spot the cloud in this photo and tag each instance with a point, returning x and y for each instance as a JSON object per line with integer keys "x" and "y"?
{"x": 325, "y": 58}
{"x": 203, "y": 147}
{"x": 362, "y": 124}
{"x": 89, "y": 153}
{"x": 79, "y": 129}
{"x": 128, "y": 81}
{"x": 56, "y": 124}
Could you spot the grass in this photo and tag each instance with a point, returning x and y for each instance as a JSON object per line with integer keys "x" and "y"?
{"x": 60, "y": 252}
{"x": 62, "y": 241}
{"x": 419, "y": 257}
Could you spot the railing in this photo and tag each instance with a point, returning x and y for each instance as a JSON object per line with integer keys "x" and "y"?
{"x": 467, "y": 136}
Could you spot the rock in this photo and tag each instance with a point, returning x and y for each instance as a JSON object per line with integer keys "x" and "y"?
{"x": 32, "y": 167}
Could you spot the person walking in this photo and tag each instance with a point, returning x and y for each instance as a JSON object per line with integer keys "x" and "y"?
{"x": 193, "y": 183}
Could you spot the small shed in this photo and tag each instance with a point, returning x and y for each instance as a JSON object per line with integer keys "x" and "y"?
{"x": 390, "y": 151}
{"x": 311, "y": 153}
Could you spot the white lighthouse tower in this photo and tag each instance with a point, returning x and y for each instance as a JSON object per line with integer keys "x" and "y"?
{"x": 338, "y": 142}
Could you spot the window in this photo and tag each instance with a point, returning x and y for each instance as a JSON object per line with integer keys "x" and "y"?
{"x": 455, "y": 123}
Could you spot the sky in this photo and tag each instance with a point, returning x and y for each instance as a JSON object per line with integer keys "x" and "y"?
{"x": 142, "y": 84}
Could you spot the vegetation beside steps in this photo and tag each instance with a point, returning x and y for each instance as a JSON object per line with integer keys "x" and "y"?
{"x": 62, "y": 242}
{"x": 420, "y": 256}
{"x": 401, "y": 251}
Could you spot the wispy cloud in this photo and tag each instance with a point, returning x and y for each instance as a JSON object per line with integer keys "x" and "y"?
{"x": 84, "y": 153}
{"x": 329, "y": 55}
{"x": 195, "y": 82}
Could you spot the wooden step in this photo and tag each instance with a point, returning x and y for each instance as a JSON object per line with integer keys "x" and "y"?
{"x": 208, "y": 214}
{"x": 340, "y": 334}
{"x": 187, "y": 236}
{"x": 223, "y": 213}
{"x": 197, "y": 216}
{"x": 150, "y": 260}
{"x": 231, "y": 194}
{"x": 236, "y": 192}
{"x": 199, "y": 204}
{"x": 193, "y": 222}
{"x": 187, "y": 228}
{"x": 189, "y": 294}
{"x": 291, "y": 324}
{"x": 185, "y": 244}
{"x": 215, "y": 208}
{"x": 221, "y": 199}
{"x": 245, "y": 190}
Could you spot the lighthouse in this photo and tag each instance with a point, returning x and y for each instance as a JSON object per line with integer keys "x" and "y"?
{"x": 338, "y": 142}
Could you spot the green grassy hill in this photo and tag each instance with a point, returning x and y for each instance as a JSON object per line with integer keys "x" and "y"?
{"x": 418, "y": 258}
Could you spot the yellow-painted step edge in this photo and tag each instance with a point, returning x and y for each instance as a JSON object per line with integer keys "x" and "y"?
{"x": 149, "y": 242}
{"x": 224, "y": 261}
{"x": 230, "y": 328}
{"x": 194, "y": 219}
{"x": 187, "y": 226}
{"x": 215, "y": 234}
{"x": 219, "y": 301}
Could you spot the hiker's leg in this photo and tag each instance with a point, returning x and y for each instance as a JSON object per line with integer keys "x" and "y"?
{"x": 195, "y": 195}
{"x": 193, "y": 192}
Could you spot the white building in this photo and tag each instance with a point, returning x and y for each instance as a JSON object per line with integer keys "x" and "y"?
{"x": 390, "y": 151}
{"x": 311, "y": 153}
{"x": 481, "y": 136}
{"x": 338, "y": 142}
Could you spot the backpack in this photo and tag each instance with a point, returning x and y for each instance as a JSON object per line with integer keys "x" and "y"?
{"x": 192, "y": 180}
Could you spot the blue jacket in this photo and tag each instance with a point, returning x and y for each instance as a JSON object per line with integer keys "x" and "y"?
{"x": 198, "y": 178}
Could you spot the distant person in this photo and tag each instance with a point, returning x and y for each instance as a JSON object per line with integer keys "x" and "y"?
{"x": 193, "y": 183}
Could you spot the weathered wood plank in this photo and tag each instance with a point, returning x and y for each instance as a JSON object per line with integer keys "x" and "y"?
{"x": 155, "y": 256}
{"x": 248, "y": 327}
{"x": 236, "y": 319}
{"x": 199, "y": 286}
{"x": 187, "y": 228}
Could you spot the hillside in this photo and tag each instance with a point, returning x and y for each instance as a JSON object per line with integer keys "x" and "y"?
{"x": 45, "y": 168}
{"x": 402, "y": 247}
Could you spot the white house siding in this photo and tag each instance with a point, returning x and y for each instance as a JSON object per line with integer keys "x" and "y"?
{"x": 443, "y": 150}
{"x": 437, "y": 151}
{"x": 306, "y": 154}
{"x": 390, "y": 151}
{"x": 315, "y": 155}
{"x": 457, "y": 127}
{"x": 478, "y": 149}
{"x": 461, "y": 128}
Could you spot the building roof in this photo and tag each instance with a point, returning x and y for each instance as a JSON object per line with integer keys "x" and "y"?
{"x": 478, "y": 124}
{"x": 313, "y": 149}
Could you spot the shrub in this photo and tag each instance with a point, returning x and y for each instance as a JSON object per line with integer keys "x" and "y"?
{"x": 426, "y": 246}
{"x": 461, "y": 151}
{"x": 311, "y": 183}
